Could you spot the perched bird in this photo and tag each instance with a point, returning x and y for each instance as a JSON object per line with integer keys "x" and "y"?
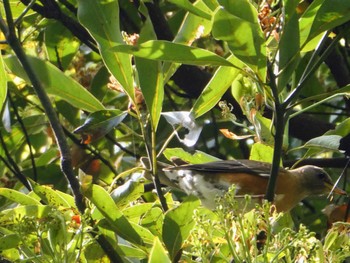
{"x": 208, "y": 180}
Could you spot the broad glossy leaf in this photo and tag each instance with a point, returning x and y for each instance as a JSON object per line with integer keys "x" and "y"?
{"x": 197, "y": 158}
{"x": 190, "y": 7}
{"x": 153, "y": 220}
{"x": 10, "y": 241}
{"x": 158, "y": 253}
{"x": 3, "y": 83}
{"x": 325, "y": 142}
{"x": 236, "y": 23}
{"x": 322, "y": 15}
{"x": 216, "y": 88}
{"x": 263, "y": 127}
{"x": 332, "y": 13}
{"x": 17, "y": 213}
{"x": 289, "y": 52}
{"x": 61, "y": 45}
{"x": 101, "y": 18}
{"x": 177, "y": 225}
{"x": 192, "y": 28}
{"x": 18, "y": 197}
{"x": 127, "y": 193}
{"x": 106, "y": 206}
{"x": 56, "y": 83}
{"x": 49, "y": 195}
{"x": 261, "y": 152}
{"x": 173, "y": 52}
{"x": 100, "y": 123}
{"x": 150, "y": 77}
{"x": 136, "y": 211}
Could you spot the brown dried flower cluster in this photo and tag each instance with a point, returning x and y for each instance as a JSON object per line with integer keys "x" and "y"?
{"x": 268, "y": 22}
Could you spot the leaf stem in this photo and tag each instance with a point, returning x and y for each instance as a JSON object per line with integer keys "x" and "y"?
{"x": 279, "y": 123}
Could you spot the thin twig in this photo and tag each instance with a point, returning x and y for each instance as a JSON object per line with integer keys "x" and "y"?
{"x": 11, "y": 163}
{"x": 66, "y": 160}
{"x": 26, "y": 136}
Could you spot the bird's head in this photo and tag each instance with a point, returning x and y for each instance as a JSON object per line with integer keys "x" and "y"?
{"x": 317, "y": 181}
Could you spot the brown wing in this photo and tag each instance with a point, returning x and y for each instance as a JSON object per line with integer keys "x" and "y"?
{"x": 230, "y": 166}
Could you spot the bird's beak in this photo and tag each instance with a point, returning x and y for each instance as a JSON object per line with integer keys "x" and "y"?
{"x": 333, "y": 189}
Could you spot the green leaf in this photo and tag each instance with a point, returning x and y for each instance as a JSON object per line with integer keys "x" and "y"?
{"x": 106, "y": 206}
{"x": 18, "y": 197}
{"x": 99, "y": 123}
{"x": 15, "y": 214}
{"x": 322, "y": 15}
{"x": 261, "y": 152}
{"x": 158, "y": 253}
{"x": 49, "y": 195}
{"x": 236, "y": 23}
{"x": 190, "y": 7}
{"x": 126, "y": 193}
{"x": 242, "y": 87}
{"x": 9, "y": 241}
{"x": 289, "y": 52}
{"x": 192, "y": 27}
{"x": 197, "y": 158}
{"x": 324, "y": 142}
{"x": 61, "y": 45}
{"x": 101, "y": 18}
{"x": 3, "y": 83}
{"x": 136, "y": 211}
{"x": 177, "y": 225}
{"x": 150, "y": 78}
{"x": 153, "y": 221}
{"x": 341, "y": 129}
{"x": 56, "y": 83}
{"x": 216, "y": 88}
{"x": 331, "y": 14}
{"x": 263, "y": 128}
{"x": 173, "y": 52}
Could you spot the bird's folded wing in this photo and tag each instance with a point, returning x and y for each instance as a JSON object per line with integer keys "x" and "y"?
{"x": 231, "y": 166}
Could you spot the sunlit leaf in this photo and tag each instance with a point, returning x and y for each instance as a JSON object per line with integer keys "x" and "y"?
{"x": 61, "y": 45}
{"x": 158, "y": 253}
{"x": 236, "y": 23}
{"x": 261, "y": 152}
{"x": 150, "y": 76}
{"x": 197, "y": 158}
{"x": 289, "y": 52}
{"x": 127, "y": 193}
{"x": 100, "y": 123}
{"x": 173, "y": 52}
{"x": 322, "y": 15}
{"x": 18, "y": 213}
{"x": 192, "y": 28}
{"x": 49, "y": 195}
{"x": 9, "y": 241}
{"x": 101, "y": 18}
{"x": 325, "y": 142}
{"x": 190, "y": 7}
{"x": 216, "y": 88}
{"x": 18, "y": 197}
{"x": 3, "y": 83}
{"x": 177, "y": 225}
{"x": 106, "y": 206}
{"x": 56, "y": 83}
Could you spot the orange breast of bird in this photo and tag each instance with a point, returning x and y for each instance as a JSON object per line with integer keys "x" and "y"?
{"x": 287, "y": 192}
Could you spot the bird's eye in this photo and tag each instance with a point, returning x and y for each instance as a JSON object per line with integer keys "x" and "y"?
{"x": 321, "y": 176}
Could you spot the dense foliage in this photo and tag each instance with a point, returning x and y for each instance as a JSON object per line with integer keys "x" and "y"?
{"x": 89, "y": 87}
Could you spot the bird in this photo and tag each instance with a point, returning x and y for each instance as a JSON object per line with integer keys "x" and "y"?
{"x": 209, "y": 180}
